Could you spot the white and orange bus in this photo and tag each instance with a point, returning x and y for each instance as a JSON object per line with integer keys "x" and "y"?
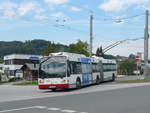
{"x": 68, "y": 70}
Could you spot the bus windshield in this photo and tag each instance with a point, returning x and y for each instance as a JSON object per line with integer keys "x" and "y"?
{"x": 54, "y": 67}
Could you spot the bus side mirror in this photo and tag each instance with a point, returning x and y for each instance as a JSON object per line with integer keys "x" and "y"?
{"x": 68, "y": 73}
{"x": 68, "y": 69}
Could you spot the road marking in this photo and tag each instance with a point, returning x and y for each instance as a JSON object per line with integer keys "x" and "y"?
{"x": 18, "y": 109}
{"x": 83, "y": 112}
{"x": 54, "y": 109}
{"x": 68, "y": 111}
{"x": 41, "y": 107}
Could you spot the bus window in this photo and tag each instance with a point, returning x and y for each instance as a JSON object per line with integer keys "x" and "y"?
{"x": 95, "y": 67}
{"x": 75, "y": 67}
{"x": 86, "y": 68}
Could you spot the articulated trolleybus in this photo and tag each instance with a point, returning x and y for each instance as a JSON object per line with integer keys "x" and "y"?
{"x": 68, "y": 70}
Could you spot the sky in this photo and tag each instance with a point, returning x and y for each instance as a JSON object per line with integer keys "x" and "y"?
{"x": 66, "y": 21}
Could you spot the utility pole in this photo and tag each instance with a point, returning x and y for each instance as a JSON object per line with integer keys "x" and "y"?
{"x": 91, "y": 35}
{"x": 146, "y": 36}
{"x": 146, "y": 46}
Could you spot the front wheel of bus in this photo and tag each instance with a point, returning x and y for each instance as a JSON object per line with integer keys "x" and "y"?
{"x": 97, "y": 80}
{"x": 53, "y": 89}
{"x": 113, "y": 77}
{"x": 78, "y": 83}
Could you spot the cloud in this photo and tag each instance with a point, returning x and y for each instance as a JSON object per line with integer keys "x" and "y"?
{"x": 144, "y": 7}
{"x": 117, "y": 5}
{"x": 41, "y": 17}
{"x": 9, "y": 13}
{"x": 8, "y": 9}
{"x": 59, "y": 15}
{"x": 20, "y": 10}
{"x": 30, "y": 11}
{"x": 75, "y": 9}
{"x": 57, "y": 1}
{"x": 25, "y": 8}
{"x": 7, "y": 5}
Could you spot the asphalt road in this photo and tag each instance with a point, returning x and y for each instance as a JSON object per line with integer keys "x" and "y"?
{"x": 126, "y": 100}
{"x": 13, "y": 93}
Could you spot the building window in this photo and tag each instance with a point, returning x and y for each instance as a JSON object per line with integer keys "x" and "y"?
{"x": 20, "y": 61}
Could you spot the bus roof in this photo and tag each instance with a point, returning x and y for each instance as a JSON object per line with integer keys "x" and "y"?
{"x": 81, "y": 57}
{"x": 70, "y": 56}
{"x": 104, "y": 60}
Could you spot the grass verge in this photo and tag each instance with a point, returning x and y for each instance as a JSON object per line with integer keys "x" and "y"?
{"x": 134, "y": 81}
{"x": 3, "y": 83}
{"x": 26, "y": 83}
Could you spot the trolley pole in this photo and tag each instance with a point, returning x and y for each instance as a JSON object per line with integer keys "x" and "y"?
{"x": 146, "y": 46}
{"x": 91, "y": 35}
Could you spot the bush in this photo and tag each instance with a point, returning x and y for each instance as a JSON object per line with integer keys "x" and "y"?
{"x": 27, "y": 83}
{"x": 126, "y": 67}
{"x": 12, "y": 80}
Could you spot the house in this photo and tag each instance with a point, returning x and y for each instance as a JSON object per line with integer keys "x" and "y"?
{"x": 30, "y": 71}
{"x": 14, "y": 62}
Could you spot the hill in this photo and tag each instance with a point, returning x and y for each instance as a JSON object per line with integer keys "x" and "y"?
{"x": 28, "y": 47}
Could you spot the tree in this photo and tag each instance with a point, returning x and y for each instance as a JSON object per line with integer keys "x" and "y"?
{"x": 131, "y": 57}
{"x": 100, "y": 52}
{"x": 27, "y": 47}
{"x": 109, "y": 57}
{"x": 126, "y": 67}
{"x": 51, "y": 48}
{"x": 79, "y": 48}
{"x": 36, "y": 47}
{"x": 1, "y": 61}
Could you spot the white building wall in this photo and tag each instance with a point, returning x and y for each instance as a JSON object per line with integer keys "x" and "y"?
{"x": 14, "y": 67}
{"x": 21, "y": 56}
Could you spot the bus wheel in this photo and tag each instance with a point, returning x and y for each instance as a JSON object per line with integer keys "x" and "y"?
{"x": 78, "y": 83}
{"x": 97, "y": 80}
{"x": 113, "y": 77}
{"x": 53, "y": 89}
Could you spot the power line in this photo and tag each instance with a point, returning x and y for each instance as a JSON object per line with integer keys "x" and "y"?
{"x": 118, "y": 43}
{"x": 65, "y": 27}
{"x": 125, "y": 18}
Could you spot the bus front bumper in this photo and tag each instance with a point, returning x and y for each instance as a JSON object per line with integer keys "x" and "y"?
{"x": 54, "y": 86}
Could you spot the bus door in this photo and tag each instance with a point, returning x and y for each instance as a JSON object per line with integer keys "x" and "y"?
{"x": 86, "y": 71}
{"x": 86, "y": 74}
{"x": 101, "y": 70}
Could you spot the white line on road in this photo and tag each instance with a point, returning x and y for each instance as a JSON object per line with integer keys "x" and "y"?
{"x": 54, "y": 109}
{"x": 83, "y": 112}
{"x": 68, "y": 111}
{"x": 18, "y": 109}
{"x": 41, "y": 107}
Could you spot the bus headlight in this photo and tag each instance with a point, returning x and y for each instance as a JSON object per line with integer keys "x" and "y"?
{"x": 41, "y": 81}
{"x": 65, "y": 81}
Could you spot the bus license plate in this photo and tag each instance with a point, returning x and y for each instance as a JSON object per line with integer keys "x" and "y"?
{"x": 52, "y": 86}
